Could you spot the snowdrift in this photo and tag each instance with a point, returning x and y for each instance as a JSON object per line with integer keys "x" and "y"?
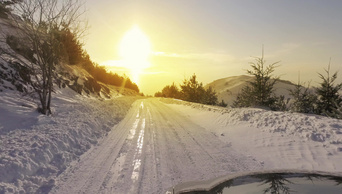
{"x": 280, "y": 140}
{"x": 36, "y": 148}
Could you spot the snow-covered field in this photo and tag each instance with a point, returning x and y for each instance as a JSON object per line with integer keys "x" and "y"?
{"x": 152, "y": 149}
{"x": 164, "y": 142}
{"x": 83, "y": 147}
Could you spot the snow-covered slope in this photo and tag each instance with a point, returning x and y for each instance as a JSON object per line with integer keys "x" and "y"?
{"x": 15, "y": 68}
{"x": 228, "y": 88}
{"x": 35, "y": 148}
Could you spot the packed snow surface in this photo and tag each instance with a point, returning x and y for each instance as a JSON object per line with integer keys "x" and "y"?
{"x": 164, "y": 142}
{"x": 159, "y": 143}
{"x": 153, "y": 148}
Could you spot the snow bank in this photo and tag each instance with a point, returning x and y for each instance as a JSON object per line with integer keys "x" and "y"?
{"x": 281, "y": 140}
{"x": 35, "y": 148}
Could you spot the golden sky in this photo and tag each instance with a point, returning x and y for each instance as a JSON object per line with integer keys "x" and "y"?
{"x": 217, "y": 39}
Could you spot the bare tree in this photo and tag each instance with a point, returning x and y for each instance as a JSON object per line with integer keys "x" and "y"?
{"x": 39, "y": 27}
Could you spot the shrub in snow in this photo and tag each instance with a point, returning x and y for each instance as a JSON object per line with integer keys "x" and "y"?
{"x": 303, "y": 99}
{"x": 223, "y": 104}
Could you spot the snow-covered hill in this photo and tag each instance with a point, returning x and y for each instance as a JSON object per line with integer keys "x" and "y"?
{"x": 36, "y": 148}
{"x": 15, "y": 65}
{"x": 228, "y": 88}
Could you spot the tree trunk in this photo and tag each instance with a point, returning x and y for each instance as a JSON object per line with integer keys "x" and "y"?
{"x": 50, "y": 85}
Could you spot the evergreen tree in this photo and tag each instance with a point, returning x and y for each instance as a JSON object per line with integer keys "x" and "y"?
{"x": 280, "y": 104}
{"x": 243, "y": 98}
{"x": 171, "y": 91}
{"x": 260, "y": 91}
{"x": 71, "y": 46}
{"x": 210, "y": 97}
{"x": 158, "y": 94}
{"x": 303, "y": 99}
{"x": 338, "y": 112}
{"x": 329, "y": 100}
{"x": 192, "y": 90}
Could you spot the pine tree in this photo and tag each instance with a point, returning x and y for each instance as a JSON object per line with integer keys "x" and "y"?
{"x": 303, "y": 99}
{"x": 210, "y": 97}
{"x": 329, "y": 100}
{"x": 171, "y": 91}
{"x": 338, "y": 111}
{"x": 192, "y": 90}
{"x": 244, "y": 98}
{"x": 260, "y": 91}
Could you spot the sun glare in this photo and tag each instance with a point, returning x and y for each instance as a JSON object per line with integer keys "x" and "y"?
{"x": 135, "y": 49}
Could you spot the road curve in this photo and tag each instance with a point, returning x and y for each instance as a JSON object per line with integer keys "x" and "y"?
{"x": 152, "y": 149}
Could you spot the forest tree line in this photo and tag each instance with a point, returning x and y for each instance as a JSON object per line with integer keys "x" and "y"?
{"x": 191, "y": 90}
{"x": 323, "y": 100}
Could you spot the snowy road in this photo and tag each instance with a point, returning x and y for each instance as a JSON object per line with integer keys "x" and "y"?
{"x": 152, "y": 149}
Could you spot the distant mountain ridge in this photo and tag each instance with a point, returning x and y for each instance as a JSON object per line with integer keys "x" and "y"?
{"x": 228, "y": 88}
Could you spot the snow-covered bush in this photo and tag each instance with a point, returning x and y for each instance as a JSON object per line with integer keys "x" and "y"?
{"x": 303, "y": 99}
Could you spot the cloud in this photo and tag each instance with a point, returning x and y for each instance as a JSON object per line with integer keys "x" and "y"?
{"x": 207, "y": 56}
{"x": 164, "y": 54}
{"x": 284, "y": 49}
{"x": 118, "y": 66}
{"x": 278, "y": 52}
{"x": 289, "y": 47}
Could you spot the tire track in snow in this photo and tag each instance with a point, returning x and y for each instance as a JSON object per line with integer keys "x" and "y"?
{"x": 152, "y": 149}
{"x": 211, "y": 157}
{"x": 90, "y": 172}
{"x": 188, "y": 156}
{"x": 132, "y": 150}
{"x": 151, "y": 162}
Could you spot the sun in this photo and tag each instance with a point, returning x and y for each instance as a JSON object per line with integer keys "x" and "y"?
{"x": 135, "y": 49}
